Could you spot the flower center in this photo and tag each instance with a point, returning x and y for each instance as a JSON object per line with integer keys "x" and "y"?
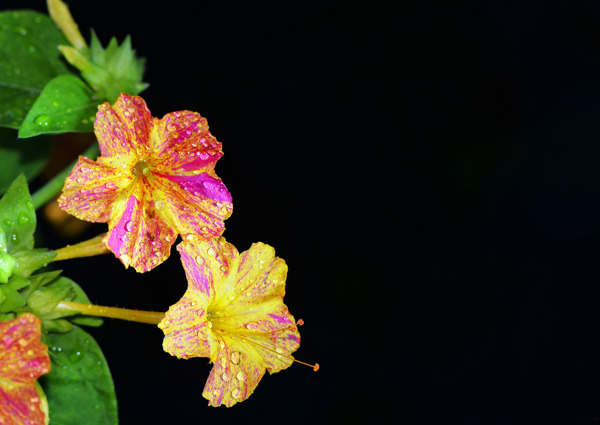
{"x": 141, "y": 169}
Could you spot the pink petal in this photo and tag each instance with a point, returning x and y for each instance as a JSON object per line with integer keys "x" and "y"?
{"x": 124, "y": 128}
{"x": 182, "y": 143}
{"x": 140, "y": 237}
{"x": 196, "y": 205}
{"x": 91, "y": 189}
{"x": 186, "y": 329}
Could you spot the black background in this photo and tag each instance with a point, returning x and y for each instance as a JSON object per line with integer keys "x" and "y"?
{"x": 429, "y": 172}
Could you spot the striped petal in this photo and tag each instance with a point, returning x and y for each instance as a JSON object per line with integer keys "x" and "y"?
{"x": 206, "y": 262}
{"x": 234, "y": 375}
{"x": 182, "y": 144}
{"x": 91, "y": 190}
{"x": 186, "y": 329}
{"x": 139, "y": 236}
{"x": 196, "y": 205}
{"x": 124, "y": 128}
{"x": 23, "y": 359}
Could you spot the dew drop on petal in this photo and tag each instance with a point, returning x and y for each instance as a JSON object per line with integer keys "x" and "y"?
{"x": 225, "y": 377}
{"x": 235, "y": 357}
{"x": 223, "y": 362}
{"x": 241, "y": 376}
{"x": 236, "y": 393}
{"x": 129, "y": 226}
{"x": 211, "y": 251}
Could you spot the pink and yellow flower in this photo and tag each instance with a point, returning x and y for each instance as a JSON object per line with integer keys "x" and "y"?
{"x": 23, "y": 359}
{"x": 154, "y": 179}
{"x": 232, "y": 313}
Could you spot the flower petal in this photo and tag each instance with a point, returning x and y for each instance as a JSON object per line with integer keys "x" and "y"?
{"x": 140, "y": 237}
{"x": 23, "y": 359}
{"x": 124, "y": 128}
{"x": 91, "y": 189}
{"x": 234, "y": 375}
{"x": 253, "y": 302}
{"x": 186, "y": 329}
{"x": 196, "y": 205}
{"x": 182, "y": 143}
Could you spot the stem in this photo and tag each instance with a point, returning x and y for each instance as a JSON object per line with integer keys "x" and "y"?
{"x": 152, "y": 317}
{"x": 88, "y": 248}
{"x": 54, "y": 186}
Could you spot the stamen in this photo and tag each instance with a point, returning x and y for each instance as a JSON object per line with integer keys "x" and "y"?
{"x": 315, "y": 366}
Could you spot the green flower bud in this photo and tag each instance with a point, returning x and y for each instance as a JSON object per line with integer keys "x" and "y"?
{"x": 7, "y": 265}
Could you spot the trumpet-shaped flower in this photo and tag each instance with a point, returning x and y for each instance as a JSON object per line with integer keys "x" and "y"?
{"x": 232, "y": 313}
{"x": 154, "y": 179}
{"x": 23, "y": 359}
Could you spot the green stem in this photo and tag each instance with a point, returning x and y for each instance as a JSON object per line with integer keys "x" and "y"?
{"x": 54, "y": 186}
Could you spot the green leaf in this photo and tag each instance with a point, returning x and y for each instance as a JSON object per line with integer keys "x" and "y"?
{"x": 66, "y": 104}
{"x": 79, "y": 387}
{"x": 17, "y": 216}
{"x": 29, "y": 58}
{"x": 13, "y": 299}
{"x": 60, "y": 326}
{"x": 38, "y": 280}
{"x": 77, "y": 295}
{"x": 30, "y": 260}
{"x": 44, "y": 301}
{"x": 18, "y": 156}
{"x": 18, "y": 282}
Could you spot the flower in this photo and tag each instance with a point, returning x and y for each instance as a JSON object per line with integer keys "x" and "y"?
{"x": 232, "y": 313}
{"x": 23, "y": 359}
{"x": 154, "y": 179}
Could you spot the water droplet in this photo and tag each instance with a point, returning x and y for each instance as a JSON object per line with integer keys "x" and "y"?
{"x": 23, "y": 219}
{"x": 222, "y": 344}
{"x": 42, "y": 120}
{"x": 29, "y": 205}
{"x": 241, "y": 376}
{"x": 225, "y": 377}
{"x": 199, "y": 260}
{"x": 55, "y": 104}
{"x": 129, "y": 226}
{"x": 168, "y": 238}
{"x": 223, "y": 362}
{"x": 236, "y": 393}
{"x": 160, "y": 205}
{"x": 235, "y": 357}
{"x": 216, "y": 393}
{"x": 211, "y": 251}
{"x": 231, "y": 298}
{"x": 209, "y": 324}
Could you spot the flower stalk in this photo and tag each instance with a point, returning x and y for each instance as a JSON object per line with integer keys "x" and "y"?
{"x": 88, "y": 248}
{"x": 151, "y": 317}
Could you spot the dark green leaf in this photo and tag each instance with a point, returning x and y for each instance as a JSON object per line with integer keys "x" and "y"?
{"x": 29, "y": 58}
{"x": 30, "y": 260}
{"x": 17, "y": 216}
{"x": 66, "y": 104}
{"x": 79, "y": 387}
{"x": 18, "y": 156}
